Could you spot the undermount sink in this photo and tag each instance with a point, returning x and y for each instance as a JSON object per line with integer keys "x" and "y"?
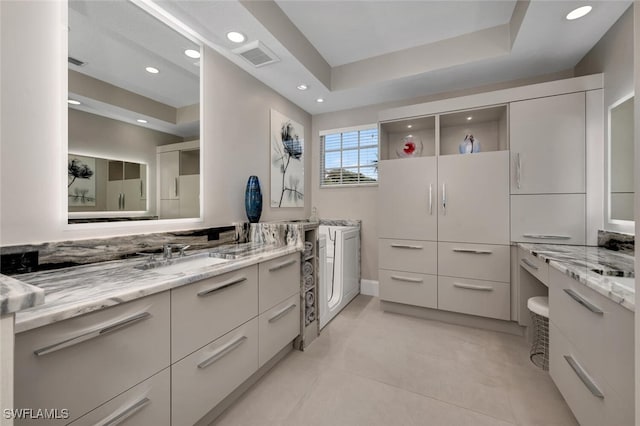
{"x": 236, "y": 251}
{"x": 182, "y": 264}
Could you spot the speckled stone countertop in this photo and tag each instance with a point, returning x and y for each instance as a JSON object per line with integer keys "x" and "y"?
{"x": 78, "y": 290}
{"x": 608, "y": 272}
{"x": 16, "y": 296}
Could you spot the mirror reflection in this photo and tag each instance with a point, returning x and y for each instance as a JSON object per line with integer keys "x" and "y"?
{"x": 133, "y": 116}
{"x": 621, "y": 156}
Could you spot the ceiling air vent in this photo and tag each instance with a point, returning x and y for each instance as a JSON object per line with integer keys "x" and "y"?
{"x": 257, "y": 53}
{"x": 76, "y": 62}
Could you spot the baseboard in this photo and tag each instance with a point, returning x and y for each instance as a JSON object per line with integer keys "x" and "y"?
{"x": 369, "y": 288}
{"x": 491, "y": 324}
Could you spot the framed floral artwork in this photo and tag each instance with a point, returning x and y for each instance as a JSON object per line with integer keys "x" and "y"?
{"x": 287, "y": 162}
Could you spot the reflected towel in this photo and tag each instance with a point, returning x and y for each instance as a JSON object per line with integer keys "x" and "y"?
{"x": 311, "y": 316}
{"x": 307, "y": 268}
{"x": 310, "y": 298}
{"x": 308, "y": 248}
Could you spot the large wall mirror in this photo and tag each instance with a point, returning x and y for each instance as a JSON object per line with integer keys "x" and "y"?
{"x": 620, "y": 191}
{"x": 133, "y": 116}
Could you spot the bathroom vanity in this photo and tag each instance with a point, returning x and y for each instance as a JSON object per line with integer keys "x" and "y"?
{"x": 591, "y": 294}
{"x": 168, "y": 343}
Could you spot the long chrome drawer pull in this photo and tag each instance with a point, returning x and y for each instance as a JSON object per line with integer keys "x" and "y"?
{"x": 584, "y": 377}
{"x": 444, "y": 198}
{"x": 282, "y": 313}
{"x": 128, "y": 412}
{"x": 221, "y": 286}
{"x": 518, "y": 170}
{"x": 430, "y": 199}
{"x": 529, "y": 264}
{"x": 459, "y": 250}
{"x": 547, "y": 237}
{"x": 473, "y": 287}
{"x": 92, "y": 334}
{"x": 222, "y": 351}
{"x": 407, "y": 246}
{"x": 409, "y": 280}
{"x": 584, "y": 302}
{"x": 282, "y": 265}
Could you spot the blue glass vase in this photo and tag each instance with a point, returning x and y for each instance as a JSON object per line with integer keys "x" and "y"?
{"x": 253, "y": 199}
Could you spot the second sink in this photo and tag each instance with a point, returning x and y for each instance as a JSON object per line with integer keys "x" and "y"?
{"x": 182, "y": 264}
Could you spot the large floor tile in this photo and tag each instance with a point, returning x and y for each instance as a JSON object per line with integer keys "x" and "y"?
{"x": 345, "y": 399}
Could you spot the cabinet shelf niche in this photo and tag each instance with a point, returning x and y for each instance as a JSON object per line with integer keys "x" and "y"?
{"x": 395, "y": 135}
{"x": 487, "y": 125}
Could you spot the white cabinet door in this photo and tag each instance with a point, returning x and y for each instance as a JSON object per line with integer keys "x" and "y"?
{"x": 131, "y": 192}
{"x": 169, "y": 209}
{"x": 407, "y": 207}
{"x": 169, "y": 169}
{"x": 547, "y": 137}
{"x": 473, "y": 198}
{"x": 189, "y": 194}
{"x": 114, "y": 195}
{"x": 551, "y": 218}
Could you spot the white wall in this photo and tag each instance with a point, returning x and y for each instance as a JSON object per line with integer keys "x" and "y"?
{"x": 636, "y": 75}
{"x": 33, "y": 134}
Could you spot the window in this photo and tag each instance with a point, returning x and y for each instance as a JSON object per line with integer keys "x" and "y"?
{"x": 349, "y": 156}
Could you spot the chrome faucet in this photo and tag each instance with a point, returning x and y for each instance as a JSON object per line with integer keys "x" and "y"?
{"x": 167, "y": 251}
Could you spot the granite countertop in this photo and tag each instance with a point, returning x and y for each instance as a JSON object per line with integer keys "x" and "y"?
{"x": 608, "y": 272}
{"x": 78, "y": 290}
{"x": 16, "y": 295}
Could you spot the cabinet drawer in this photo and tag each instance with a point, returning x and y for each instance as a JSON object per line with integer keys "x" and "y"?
{"x": 552, "y": 218}
{"x": 83, "y": 362}
{"x": 479, "y": 261}
{"x": 278, "y": 279}
{"x": 409, "y": 288}
{"x": 534, "y": 265}
{"x": 203, "y": 379}
{"x": 483, "y": 298}
{"x": 579, "y": 313}
{"x": 206, "y": 310}
{"x": 588, "y": 408}
{"x": 408, "y": 255}
{"x": 148, "y": 403}
{"x": 278, "y": 327}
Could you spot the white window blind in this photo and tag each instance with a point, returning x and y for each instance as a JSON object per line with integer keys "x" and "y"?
{"x": 349, "y": 157}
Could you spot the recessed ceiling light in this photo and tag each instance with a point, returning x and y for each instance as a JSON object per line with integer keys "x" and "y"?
{"x": 319, "y": 100}
{"x": 303, "y": 87}
{"x": 192, "y": 53}
{"x": 236, "y": 37}
{"x": 469, "y": 118}
{"x": 73, "y": 102}
{"x": 140, "y": 120}
{"x": 409, "y": 136}
{"x": 578, "y": 13}
{"x": 409, "y": 126}
{"x": 152, "y": 70}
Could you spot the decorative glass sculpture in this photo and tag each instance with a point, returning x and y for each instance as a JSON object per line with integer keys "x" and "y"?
{"x": 411, "y": 147}
{"x": 253, "y": 199}
{"x": 469, "y": 145}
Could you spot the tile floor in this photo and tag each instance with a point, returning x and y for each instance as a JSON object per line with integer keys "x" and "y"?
{"x": 369, "y": 367}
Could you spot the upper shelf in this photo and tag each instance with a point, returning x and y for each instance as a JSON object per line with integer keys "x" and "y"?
{"x": 455, "y": 133}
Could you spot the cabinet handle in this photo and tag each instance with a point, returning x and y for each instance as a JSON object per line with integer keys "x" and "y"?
{"x": 126, "y": 413}
{"x": 407, "y": 246}
{"x": 93, "y": 334}
{"x": 282, "y": 265}
{"x": 584, "y": 377}
{"x": 529, "y": 264}
{"x": 221, "y": 286}
{"x": 518, "y": 170}
{"x": 444, "y": 198}
{"x": 547, "y": 237}
{"x": 282, "y": 313}
{"x": 406, "y": 279}
{"x": 123, "y": 202}
{"x": 473, "y": 287}
{"x": 141, "y": 190}
{"x": 584, "y": 302}
{"x": 222, "y": 351}
{"x": 176, "y": 187}
{"x": 430, "y": 199}
{"x": 459, "y": 250}
{"x": 120, "y": 201}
